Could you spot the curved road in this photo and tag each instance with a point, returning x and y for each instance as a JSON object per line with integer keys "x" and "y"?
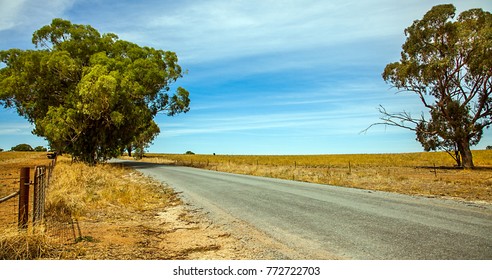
{"x": 319, "y": 221}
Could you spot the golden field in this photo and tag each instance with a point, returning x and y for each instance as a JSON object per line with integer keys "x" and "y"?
{"x": 428, "y": 174}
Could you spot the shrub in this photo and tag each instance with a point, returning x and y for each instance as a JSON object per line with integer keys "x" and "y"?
{"x": 22, "y": 148}
{"x": 40, "y": 149}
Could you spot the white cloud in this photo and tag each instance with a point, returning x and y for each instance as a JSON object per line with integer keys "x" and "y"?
{"x": 221, "y": 30}
{"x": 212, "y": 30}
{"x": 345, "y": 120}
{"x": 9, "y": 12}
{"x": 30, "y": 13}
{"x": 15, "y": 128}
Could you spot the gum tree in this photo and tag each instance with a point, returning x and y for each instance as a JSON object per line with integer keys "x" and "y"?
{"x": 88, "y": 94}
{"x": 447, "y": 63}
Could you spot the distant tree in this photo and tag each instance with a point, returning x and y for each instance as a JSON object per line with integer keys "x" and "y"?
{"x": 22, "y": 148}
{"x": 88, "y": 94}
{"x": 448, "y": 64}
{"x": 40, "y": 149}
{"x": 1, "y": 150}
{"x": 488, "y": 148}
{"x": 144, "y": 139}
{"x": 189, "y": 153}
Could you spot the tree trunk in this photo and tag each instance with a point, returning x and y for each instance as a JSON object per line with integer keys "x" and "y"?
{"x": 129, "y": 149}
{"x": 457, "y": 155}
{"x": 466, "y": 154}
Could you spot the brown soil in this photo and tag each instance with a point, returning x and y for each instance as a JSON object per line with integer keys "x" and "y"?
{"x": 171, "y": 234}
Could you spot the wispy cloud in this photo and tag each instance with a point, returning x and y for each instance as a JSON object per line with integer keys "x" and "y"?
{"x": 9, "y": 13}
{"x": 342, "y": 121}
{"x": 15, "y": 129}
{"x": 221, "y": 30}
{"x": 30, "y": 14}
{"x": 305, "y": 69}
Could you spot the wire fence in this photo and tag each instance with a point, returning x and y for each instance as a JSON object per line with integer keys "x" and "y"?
{"x": 23, "y": 204}
{"x": 9, "y": 190}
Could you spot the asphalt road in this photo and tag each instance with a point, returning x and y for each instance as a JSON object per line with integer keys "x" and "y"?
{"x": 318, "y": 221}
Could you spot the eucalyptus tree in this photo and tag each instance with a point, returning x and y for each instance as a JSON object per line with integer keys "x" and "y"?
{"x": 447, "y": 63}
{"x": 88, "y": 94}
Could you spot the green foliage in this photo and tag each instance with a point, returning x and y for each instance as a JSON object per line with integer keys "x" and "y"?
{"x": 189, "y": 153}
{"x": 88, "y": 94}
{"x": 22, "y": 148}
{"x": 447, "y": 63}
{"x": 40, "y": 149}
{"x": 144, "y": 139}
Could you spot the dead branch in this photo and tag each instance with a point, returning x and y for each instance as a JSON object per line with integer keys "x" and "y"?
{"x": 402, "y": 119}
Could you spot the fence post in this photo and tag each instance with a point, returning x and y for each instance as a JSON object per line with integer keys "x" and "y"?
{"x": 35, "y": 196}
{"x": 24, "y": 198}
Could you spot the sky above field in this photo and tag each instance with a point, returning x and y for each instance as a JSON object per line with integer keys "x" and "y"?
{"x": 265, "y": 77}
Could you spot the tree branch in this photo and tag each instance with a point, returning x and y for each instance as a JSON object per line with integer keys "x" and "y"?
{"x": 396, "y": 119}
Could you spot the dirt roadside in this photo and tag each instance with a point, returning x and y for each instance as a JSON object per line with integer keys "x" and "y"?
{"x": 115, "y": 226}
{"x": 173, "y": 232}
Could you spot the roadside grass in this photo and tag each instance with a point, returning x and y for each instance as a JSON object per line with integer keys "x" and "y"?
{"x": 16, "y": 245}
{"x": 86, "y": 191}
{"x": 104, "y": 195}
{"x": 112, "y": 204}
{"x": 428, "y": 174}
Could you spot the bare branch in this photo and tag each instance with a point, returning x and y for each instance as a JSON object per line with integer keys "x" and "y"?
{"x": 402, "y": 119}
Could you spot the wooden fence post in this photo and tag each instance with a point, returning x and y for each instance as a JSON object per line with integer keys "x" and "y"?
{"x": 24, "y": 198}
{"x": 35, "y": 196}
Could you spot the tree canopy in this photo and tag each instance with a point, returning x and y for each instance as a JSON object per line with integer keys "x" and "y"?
{"x": 22, "y": 148}
{"x": 448, "y": 64}
{"x": 88, "y": 94}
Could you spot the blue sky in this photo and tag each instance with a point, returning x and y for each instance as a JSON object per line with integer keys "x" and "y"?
{"x": 265, "y": 77}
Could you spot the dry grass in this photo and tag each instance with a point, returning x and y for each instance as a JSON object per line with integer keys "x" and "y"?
{"x": 15, "y": 245}
{"x": 427, "y": 174}
{"x": 82, "y": 191}
{"x": 125, "y": 215}
{"x": 119, "y": 214}
{"x": 102, "y": 193}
